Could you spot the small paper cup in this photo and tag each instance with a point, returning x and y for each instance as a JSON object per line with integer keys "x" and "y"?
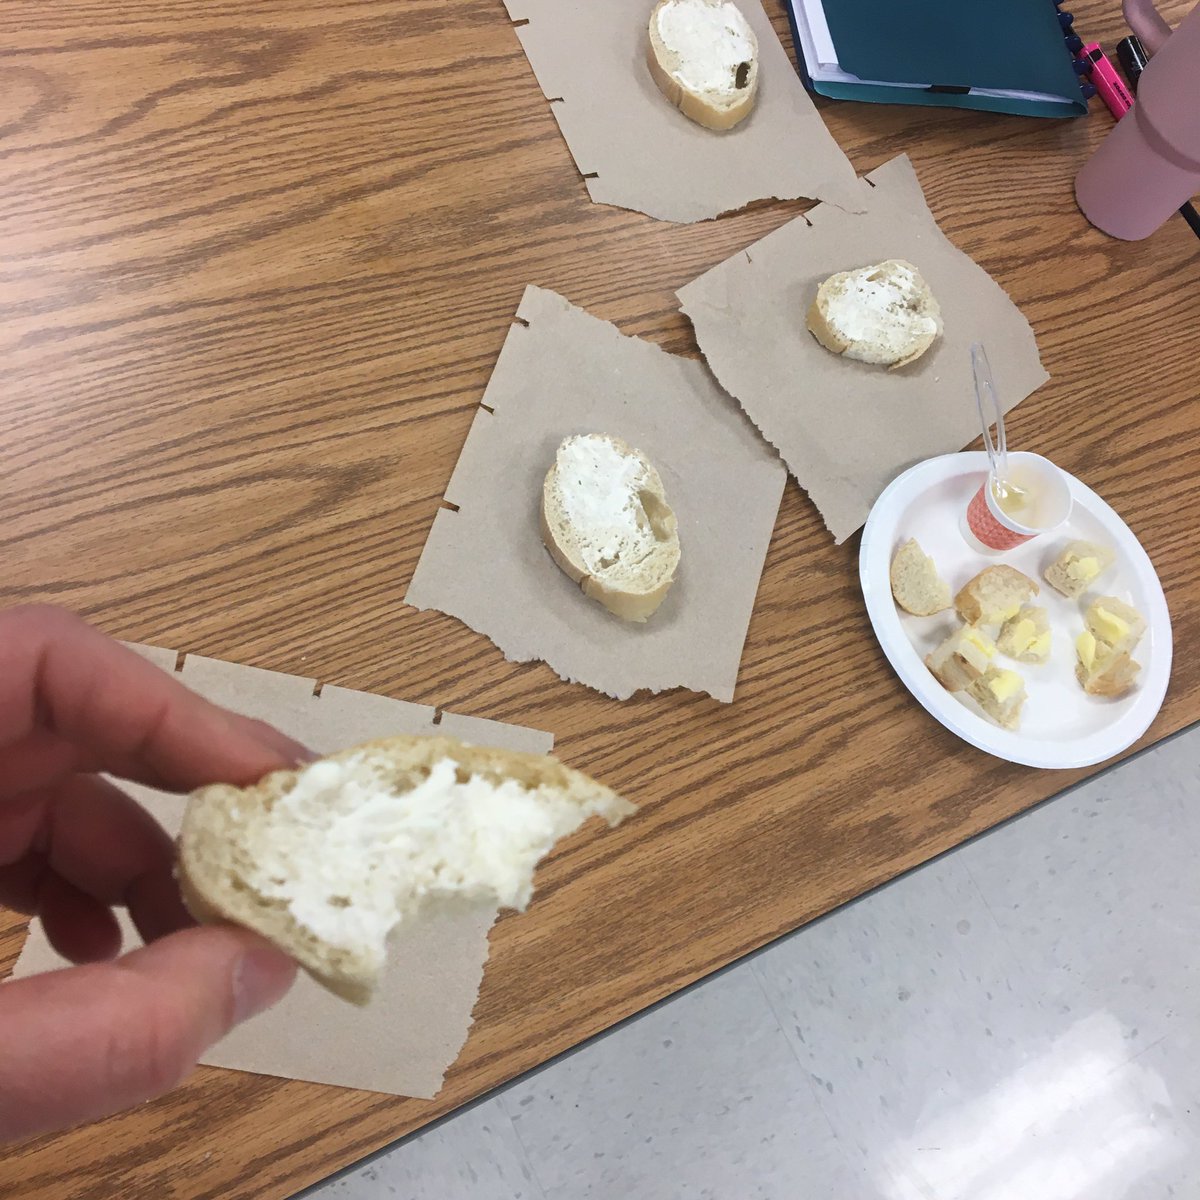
{"x": 994, "y": 529}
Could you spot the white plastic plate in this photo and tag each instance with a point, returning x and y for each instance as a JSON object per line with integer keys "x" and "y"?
{"x": 1061, "y": 726}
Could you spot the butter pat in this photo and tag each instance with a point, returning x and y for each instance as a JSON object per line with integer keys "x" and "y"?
{"x": 1109, "y": 626}
{"x": 1004, "y": 685}
{"x": 1084, "y": 569}
{"x": 1085, "y": 647}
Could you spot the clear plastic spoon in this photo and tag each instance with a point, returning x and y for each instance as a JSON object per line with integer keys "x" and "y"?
{"x": 987, "y": 400}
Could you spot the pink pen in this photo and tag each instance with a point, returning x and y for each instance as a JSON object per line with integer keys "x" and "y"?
{"x": 1108, "y": 83}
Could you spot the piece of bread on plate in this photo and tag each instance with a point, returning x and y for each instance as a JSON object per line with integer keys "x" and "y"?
{"x": 1001, "y": 694}
{"x": 1108, "y": 675}
{"x": 703, "y": 56}
{"x": 1115, "y": 624}
{"x": 1078, "y": 565}
{"x": 883, "y": 314}
{"x": 916, "y": 584}
{"x": 1112, "y": 630}
{"x": 1026, "y": 636}
{"x": 962, "y": 658}
{"x": 607, "y": 524}
{"x": 325, "y": 860}
{"x": 995, "y": 595}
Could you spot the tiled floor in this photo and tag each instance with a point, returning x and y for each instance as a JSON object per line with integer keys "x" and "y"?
{"x": 1017, "y": 1021}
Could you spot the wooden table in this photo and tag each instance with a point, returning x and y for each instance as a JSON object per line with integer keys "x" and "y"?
{"x": 256, "y": 263}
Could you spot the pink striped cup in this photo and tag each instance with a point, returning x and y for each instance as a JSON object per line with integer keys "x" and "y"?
{"x": 995, "y": 529}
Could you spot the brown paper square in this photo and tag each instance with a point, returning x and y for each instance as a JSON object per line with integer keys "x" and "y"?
{"x": 844, "y": 428}
{"x": 636, "y": 150}
{"x": 414, "y": 1030}
{"x": 564, "y": 372}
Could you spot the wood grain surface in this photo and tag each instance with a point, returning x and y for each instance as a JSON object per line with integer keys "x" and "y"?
{"x": 256, "y": 263}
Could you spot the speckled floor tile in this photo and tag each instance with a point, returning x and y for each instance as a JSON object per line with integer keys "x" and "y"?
{"x": 701, "y": 1099}
{"x": 914, "y": 1023}
{"x": 1099, "y": 893}
{"x": 476, "y": 1156}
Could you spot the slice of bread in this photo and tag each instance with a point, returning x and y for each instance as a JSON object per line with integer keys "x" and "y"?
{"x": 703, "y": 56}
{"x": 1077, "y": 567}
{"x": 916, "y": 585}
{"x": 1112, "y": 676}
{"x": 326, "y": 860}
{"x": 964, "y": 657}
{"x": 1105, "y": 647}
{"x": 884, "y": 314}
{"x": 1114, "y": 624}
{"x": 607, "y": 523}
{"x": 1001, "y": 694}
{"x": 1026, "y": 637}
{"x": 994, "y": 596}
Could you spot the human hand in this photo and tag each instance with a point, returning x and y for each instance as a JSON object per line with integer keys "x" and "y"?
{"x": 78, "y": 1044}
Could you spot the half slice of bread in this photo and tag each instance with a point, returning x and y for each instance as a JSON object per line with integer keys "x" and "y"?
{"x": 1077, "y": 567}
{"x": 1115, "y": 625}
{"x": 1105, "y": 647}
{"x": 1111, "y": 676}
{"x": 703, "y": 56}
{"x": 1001, "y": 694}
{"x": 994, "y": 595}
{"x": 1026, "y": 637}
{"x": 326, "y": 860}
{"x": 884, "y": 314}
{"x": 964, "y": 657}
{"x": 607, "y": 523}
{"x": 916, "y": 584}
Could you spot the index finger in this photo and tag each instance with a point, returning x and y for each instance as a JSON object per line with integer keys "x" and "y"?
{"x": 120, "y": 712}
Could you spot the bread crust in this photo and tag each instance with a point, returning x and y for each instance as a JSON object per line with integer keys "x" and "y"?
{"x": 694, "y": 105}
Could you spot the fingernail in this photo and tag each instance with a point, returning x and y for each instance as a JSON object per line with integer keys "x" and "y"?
{"x": 260, "y": 979}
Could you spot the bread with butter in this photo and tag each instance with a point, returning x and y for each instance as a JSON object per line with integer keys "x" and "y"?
{"x": 1077, "y": 566}
{"x": 1026, "y": 636}
{"x": 703, "y": 56}
{"x": 1001, "y": 695}
{"x": 883, "y": 314}
{"x": 606, "y": 522}
{"x": 994, "y": 595}
{"x": 325, "y": 860}
{"x": 1112, "y": 630}
{"x": 962, "y": 658}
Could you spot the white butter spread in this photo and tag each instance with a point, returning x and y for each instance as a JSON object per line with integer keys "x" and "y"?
{"x": 711, "y": 40}
{"x": 352, "y": 858}
{"x": 882, "y": 312}
{"x": 598, "y": 486}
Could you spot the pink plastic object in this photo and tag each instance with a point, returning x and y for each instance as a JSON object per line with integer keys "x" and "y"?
{"x": 1150, "y": 164}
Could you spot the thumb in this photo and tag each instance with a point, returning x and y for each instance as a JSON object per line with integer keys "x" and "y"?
{"x": 85, "y": 1042}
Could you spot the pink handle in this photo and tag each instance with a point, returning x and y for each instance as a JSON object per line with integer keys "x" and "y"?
{"x": 1147, "y": 22}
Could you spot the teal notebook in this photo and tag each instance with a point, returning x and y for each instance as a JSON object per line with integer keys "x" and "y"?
{"x": 1002, "y": 55}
